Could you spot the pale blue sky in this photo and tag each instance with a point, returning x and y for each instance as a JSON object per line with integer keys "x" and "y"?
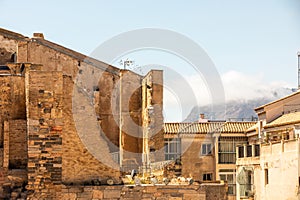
{"x": 249, "y": 37}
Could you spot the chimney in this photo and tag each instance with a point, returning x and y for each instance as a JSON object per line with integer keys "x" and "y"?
{"x": 202, "y": 115}
{"x": 202, "y": 118}
{"x": 38, "y": 35}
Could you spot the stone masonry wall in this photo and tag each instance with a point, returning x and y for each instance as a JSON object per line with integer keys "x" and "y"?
{"x": 109, "y": 115}
{"x": 8, "y": 45}
{"x": 44, "y": 95}
{"x": 153, "y": 134}
{"x": 150, "y": 192}
{"x": 131, "y": 124}
{"x": 79, "y": 164}
{"x": 50, "y": 59}
{"x": 17, "y": 144}
{"x": 12, "y": 100}
{"x": 83, "y": 160}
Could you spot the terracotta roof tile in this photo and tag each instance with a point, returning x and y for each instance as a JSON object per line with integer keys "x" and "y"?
{"x": 252, "y": 128}
{"x": 286, "y": 119}
{"x": 207, "y": 127}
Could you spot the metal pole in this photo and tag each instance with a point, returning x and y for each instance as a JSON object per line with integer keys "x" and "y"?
{"x": 298, "y": 69}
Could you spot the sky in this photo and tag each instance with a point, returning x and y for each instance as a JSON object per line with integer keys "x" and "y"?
{"x": 253, "y": 44}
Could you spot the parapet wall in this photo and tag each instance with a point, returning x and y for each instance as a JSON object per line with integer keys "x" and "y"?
{"x": 157, "y": 192}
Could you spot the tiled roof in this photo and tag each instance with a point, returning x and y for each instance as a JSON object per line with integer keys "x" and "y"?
{"x": 286, "y": 119}
{"x": 286, "y": 97}
{"x": 252, "y": 128}
{"x": 236, "y": 127}
{"x": 207, "y": 127}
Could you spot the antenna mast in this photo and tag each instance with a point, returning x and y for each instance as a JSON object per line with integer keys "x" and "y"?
{"x": 298, "y": 70}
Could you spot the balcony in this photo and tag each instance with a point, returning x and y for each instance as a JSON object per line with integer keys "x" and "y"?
{"x": 248, "y": 154}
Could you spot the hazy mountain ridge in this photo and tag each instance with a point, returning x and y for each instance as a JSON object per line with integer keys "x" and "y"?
{"x": 236, "y": 109}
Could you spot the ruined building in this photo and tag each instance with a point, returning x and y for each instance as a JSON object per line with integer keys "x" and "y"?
{"x": 68, "y": 119}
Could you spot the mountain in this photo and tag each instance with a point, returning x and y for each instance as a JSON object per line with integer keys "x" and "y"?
{"x": 236, "y": 110}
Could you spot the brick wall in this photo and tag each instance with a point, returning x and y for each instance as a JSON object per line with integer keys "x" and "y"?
{"x": 17, "y": 144}
{"x": 12, "y": 100}
{"x": 44, "y": 92}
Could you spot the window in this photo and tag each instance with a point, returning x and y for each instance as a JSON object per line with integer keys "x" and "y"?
{"x": 207, "y": 177}
{"x": 206, "y": 149}
{"x": 266, "y": 176}
{"x": 227, "y": 147}
{"x": 241, "y": 151}
{"x": 257, "y": 150}
{"x": 172, "y": 148}
{"x": 249, "y": 150}
{"x": 229, "y": 175}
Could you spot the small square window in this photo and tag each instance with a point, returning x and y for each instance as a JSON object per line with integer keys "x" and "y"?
{"x": 206, "y": 149}
{"x": 207, "y": 177}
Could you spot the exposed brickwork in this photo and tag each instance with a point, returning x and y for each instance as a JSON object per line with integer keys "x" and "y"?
{"x": 64, "y": 142}
{"x": 12, "y": 100}
{"x": 44, "y": 92}
{"x": 17, "y": 144}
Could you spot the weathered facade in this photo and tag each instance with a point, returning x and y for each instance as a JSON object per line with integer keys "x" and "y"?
{"x": 206, "y": 150}
{"x": 268, "y": 167}
{"x": 69, "y": 119}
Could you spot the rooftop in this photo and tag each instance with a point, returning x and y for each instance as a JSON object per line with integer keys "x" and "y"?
{"x": 207, "y": 127}
{"x": 286, "y": 119}
{"x": 278, "y": 100}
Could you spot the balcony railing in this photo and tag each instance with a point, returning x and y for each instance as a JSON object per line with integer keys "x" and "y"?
{"x": 252, "y": 150}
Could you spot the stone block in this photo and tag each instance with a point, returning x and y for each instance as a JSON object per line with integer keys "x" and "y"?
{"x": 97, "y": 194}
{"x": 85, "y": 195}
{"x": 109, "y": 194}
{"x": 194, "y": 196}
{"x": 68, "y": 196}
{"x": 175, "y": 198}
